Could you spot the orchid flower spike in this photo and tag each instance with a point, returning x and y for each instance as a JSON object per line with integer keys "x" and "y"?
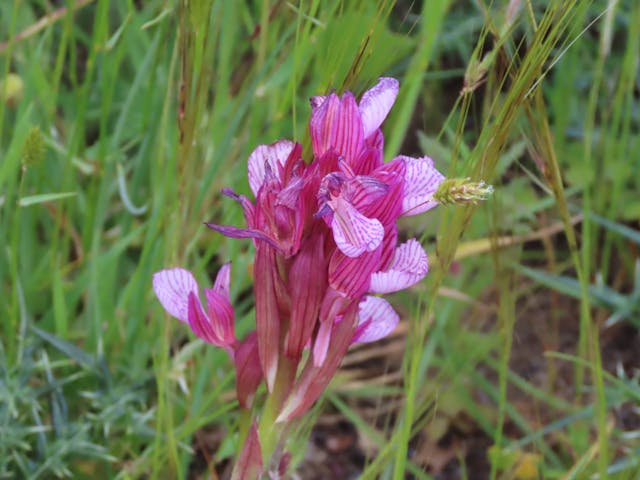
{"x": 326, "y": 248}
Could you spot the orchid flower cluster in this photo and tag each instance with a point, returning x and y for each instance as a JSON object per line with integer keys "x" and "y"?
{"x": 326, "y": 248}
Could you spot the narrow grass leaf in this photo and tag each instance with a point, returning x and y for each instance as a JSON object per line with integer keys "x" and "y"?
{"x": 44, "y": 198}
{"x": 67, "y": 348}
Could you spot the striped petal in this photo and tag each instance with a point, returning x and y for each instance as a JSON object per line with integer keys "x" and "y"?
{"x": 376, "y": 103}
{"x": 351, "y": 276}
{"x": 199, "y": 322}
{"x": 408, "y": 266}
{"x": 377, "y": 319}
{"x": 223, "y": 281}
{"x": 369, "y": 160}
{"x": 387, "y": 210}
{"x": 421, "y": 181}
{"x": 172, "y": 287}
{"x": 267, "y": 311}
{"x": 353, "y": 232}
{"x": 363, "y": 191}
{"x": 306, "y": 292}
{"x": 336, "y": 125}
{"x": 220, "y": 317}
{"x": 347, "y": 137}
{"x": 274, "y": 155}
{"x": 321, "y": 124}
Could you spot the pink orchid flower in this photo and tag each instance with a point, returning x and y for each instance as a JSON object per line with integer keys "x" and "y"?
{"x": 326, "y": 245}
{"x": 178, "y": 293}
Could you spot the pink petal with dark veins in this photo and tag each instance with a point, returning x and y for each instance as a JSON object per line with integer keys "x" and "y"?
{"x": 307, "y": 291}
{"x": 353, "y": 232}
{"x": 336, "y": 125}
{"x": 376, "y": 104}
{"x": 370, "y": 159}
{"x": 351, "y": 276}
{"x": 421, "y": 182}
{"x": 200, "y": 323}
{"x": 347, "y": 137}
{"x": 321, "y": 124}
{"x": 172, "y": 287}
{"x": 223, "y": 281}
{"x": 408, "y": 266}
{"x": 386, "y": 209}
{"x": 221, "y": 317}
{"x": 274, "y": 155}
{"x": 377, "y": 319}
{"x": 267, "y": 311}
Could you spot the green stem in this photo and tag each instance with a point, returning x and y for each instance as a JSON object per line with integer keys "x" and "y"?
{"x": 244, "y": 424}
{"x": 269, "y": 431}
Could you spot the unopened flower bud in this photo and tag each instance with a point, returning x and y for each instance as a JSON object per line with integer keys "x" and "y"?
{"x": 460, "y": 191}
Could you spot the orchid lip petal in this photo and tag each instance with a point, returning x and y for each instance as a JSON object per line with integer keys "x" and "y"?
{"x": 377, "y": 319}
{"x": 353, "y": 232}
{"x": 408, "y": 266}
{"x": 172, "y": 287}
{"x": 376, "y": 104}
{"x": 421, "y": 182}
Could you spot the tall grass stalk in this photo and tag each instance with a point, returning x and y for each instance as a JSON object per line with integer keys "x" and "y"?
{"x": 557, "y": 18}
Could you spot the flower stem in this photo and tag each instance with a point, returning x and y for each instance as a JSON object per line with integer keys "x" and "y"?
{"x": 244, "y": 423}
{"x": 270, "y": 432}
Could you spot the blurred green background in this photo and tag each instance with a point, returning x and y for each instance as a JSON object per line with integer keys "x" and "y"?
{"x": 120, "y": 122}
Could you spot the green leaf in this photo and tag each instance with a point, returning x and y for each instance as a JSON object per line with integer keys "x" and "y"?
{"x": 43, "y": 198}
{"x": 66, "y": 348}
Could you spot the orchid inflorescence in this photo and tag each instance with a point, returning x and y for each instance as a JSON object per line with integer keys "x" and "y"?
{"x": 326, "y": 246}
